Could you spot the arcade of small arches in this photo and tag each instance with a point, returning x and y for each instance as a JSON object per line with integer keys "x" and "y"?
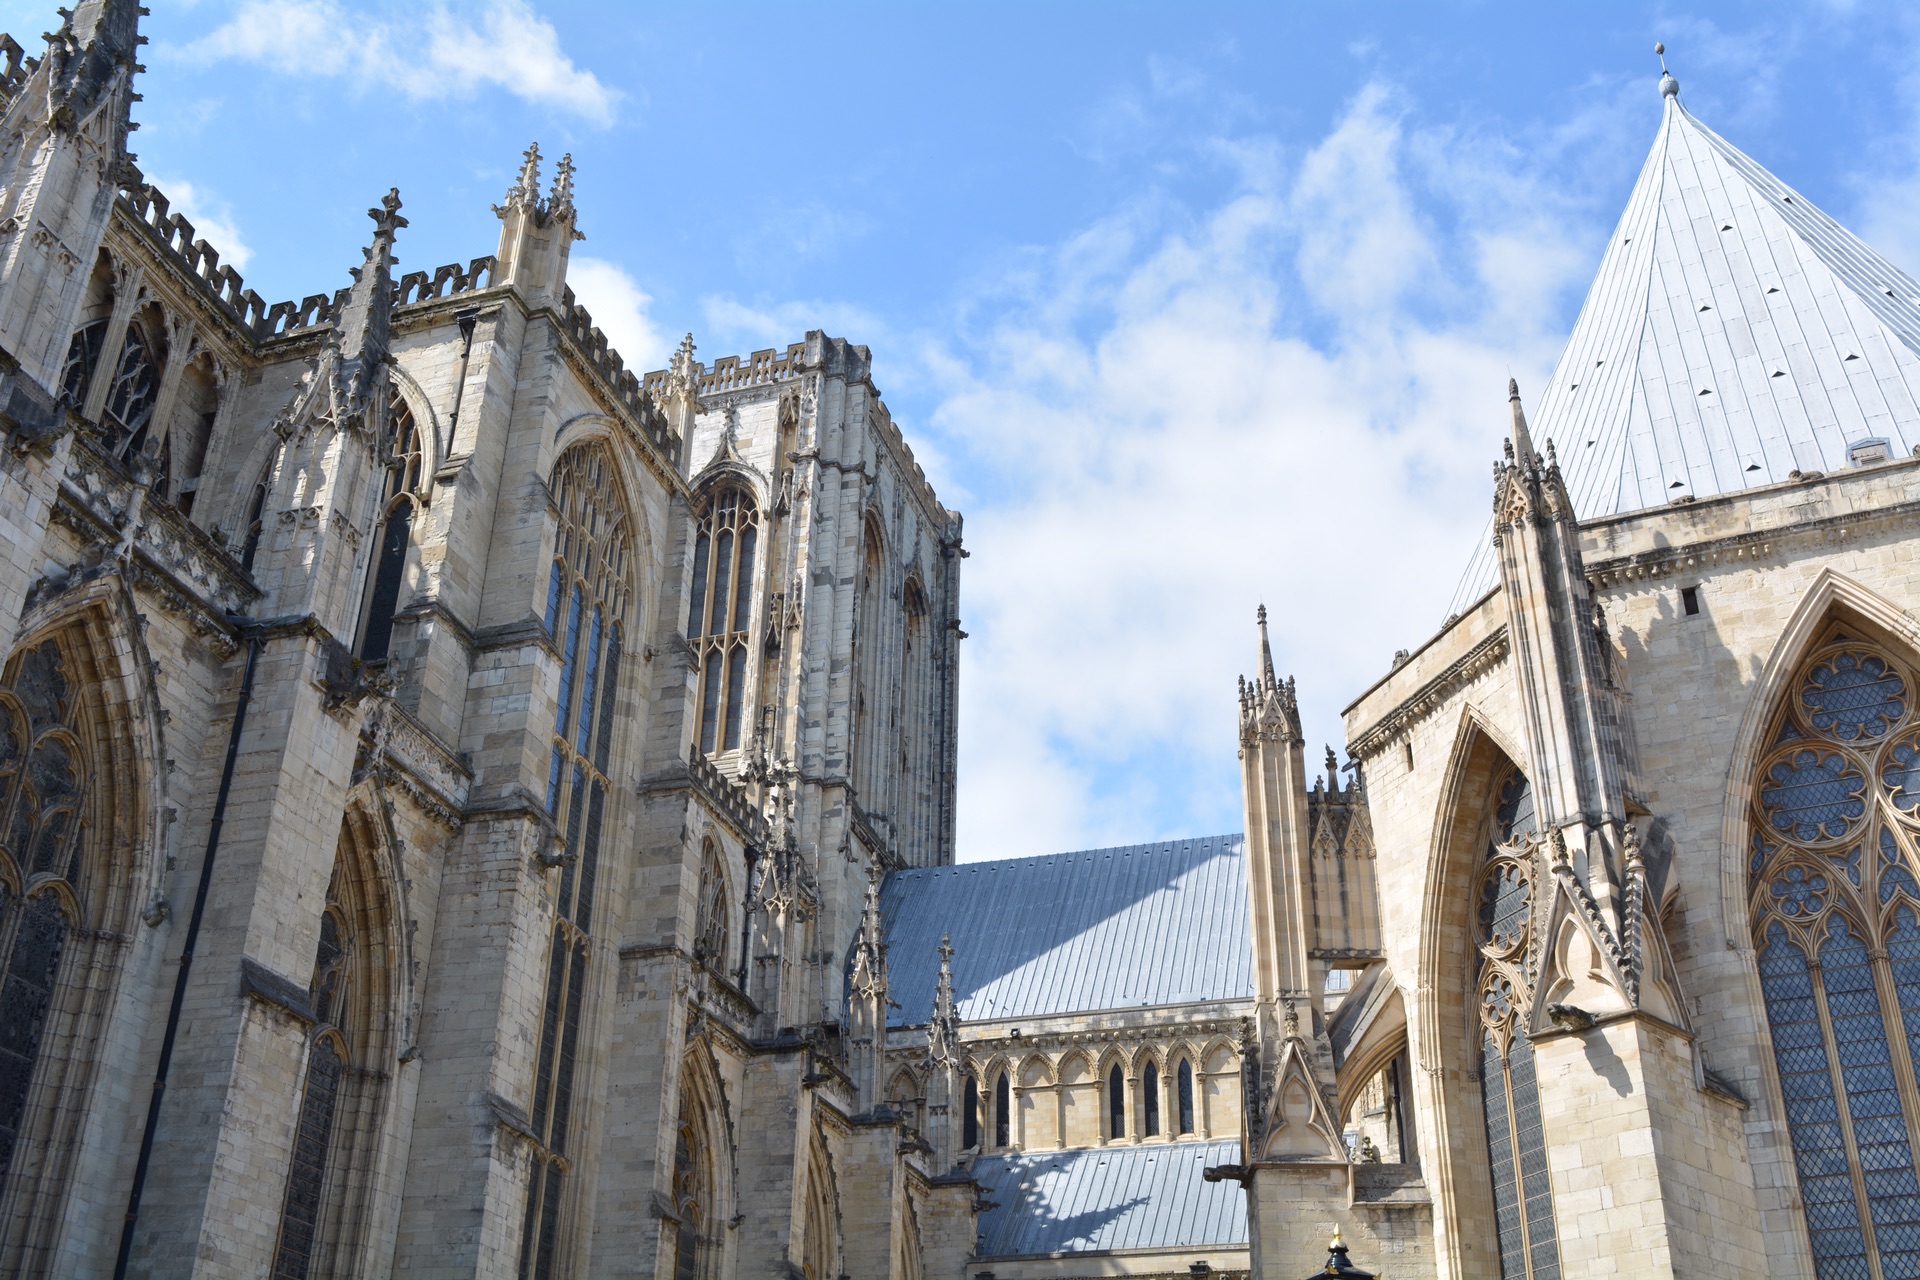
{"x": 1076, "y": 1098}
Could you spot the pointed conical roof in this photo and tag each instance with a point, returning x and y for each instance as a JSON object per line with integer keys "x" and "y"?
{"x": 1734, "y": 334}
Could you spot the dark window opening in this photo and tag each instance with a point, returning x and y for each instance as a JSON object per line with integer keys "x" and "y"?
{"x": 1150, "y": 1101}
{"x": 1116, "y": 1103}
{"x": 1186, "y": 1096}
{"x": 1690, "y": 600}
{"x": 1002, "y": 1111}
{"x": 970, "y": 1116}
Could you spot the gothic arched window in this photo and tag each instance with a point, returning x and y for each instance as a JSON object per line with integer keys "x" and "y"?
{"x": 257, "y": 509}
{"x": 711, "y": 923}
{"x": 1002, "y": 1110}
{"x": 1150, "y": 1100}
{"x": 970, "y": 1115}
{"x": 1116, "y": 1102}
{"x": 1185, "y": 1090}
{"x": 404, "y": 488}
{"x": 587, "y": 603}
{"x": 327, "y": 1061}
{"x": 43, "y": 780}
{"x": 1835, "y": 909}
{"x": 1516, "y": 1145}
{"x": 720, "y": 614}
{"x": 130, "y": 398}
{"x": 83, "y": 356}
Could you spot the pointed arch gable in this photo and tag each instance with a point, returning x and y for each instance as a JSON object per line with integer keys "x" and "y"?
{"x": 702, "y": 1174}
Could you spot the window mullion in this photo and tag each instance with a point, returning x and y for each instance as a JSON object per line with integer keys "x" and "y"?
{"x": 1519, "y": 1172}
{"x": 1854, "y": 1171}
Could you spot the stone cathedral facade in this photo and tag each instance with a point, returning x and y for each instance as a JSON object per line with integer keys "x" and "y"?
{"x": 470, "y": 810}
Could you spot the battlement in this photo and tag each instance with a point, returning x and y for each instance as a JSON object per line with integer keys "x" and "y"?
{"x": 728, "y": 373}
{"x": 19, "y": 67}
{"x": 578, "y": 324}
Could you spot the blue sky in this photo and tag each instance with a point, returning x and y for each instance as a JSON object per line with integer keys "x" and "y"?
{"x": 1185, "y": 307}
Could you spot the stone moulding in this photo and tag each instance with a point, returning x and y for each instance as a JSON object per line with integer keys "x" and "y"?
{"x": 1834, "y": 530}
{"x": 1428, "y": 698}
{"x": 257, "y": 982}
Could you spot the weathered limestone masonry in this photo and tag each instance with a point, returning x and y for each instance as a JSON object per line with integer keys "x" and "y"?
{"x": 441, "y": 771}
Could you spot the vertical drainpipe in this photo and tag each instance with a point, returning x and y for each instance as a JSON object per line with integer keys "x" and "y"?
{"x": 253, "y": 641}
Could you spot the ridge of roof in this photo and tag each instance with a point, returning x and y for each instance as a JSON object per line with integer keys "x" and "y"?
{"x": 1734, "y": 334}
{"x": 1042, "y": 859}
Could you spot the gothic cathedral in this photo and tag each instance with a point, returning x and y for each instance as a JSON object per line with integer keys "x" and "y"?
{"x": 468, "y": 809}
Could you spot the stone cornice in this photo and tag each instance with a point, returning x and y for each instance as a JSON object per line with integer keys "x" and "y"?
{"x": 1464, "y": 670}
{"x": 1754, "y": 545}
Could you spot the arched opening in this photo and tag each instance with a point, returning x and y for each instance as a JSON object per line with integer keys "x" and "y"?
{"x": 128, "y": 417}
{"x": 720, "y": 614}
{"x": 970, "y": 1115}
{"x": 588, "y": 604}
{"x": 196, "y": 405}
{"x": 256, "y": 518}
{"x": 89, "y": 335}
{"x": 1834, "y": 908}
{"x": 870, "y": 693}
{"x": 1185, "y": 1092}
{"x": 1002, "y": 1111}
{"x": 820, "y": 1249}
{"x": 403, "y": 492}
{"x": 1509, "y": 1089}
{"x": 712, "y": 925}
{"x": 699, "y": 1164}
{"x": 1116, "y": 1103}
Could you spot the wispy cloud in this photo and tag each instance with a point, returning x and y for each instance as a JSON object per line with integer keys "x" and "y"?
{"x": 212, "y": 219}
{"x": 436, "y": 53}
{"x": 1291, "y": 398}
{"x": 621, "y": 309}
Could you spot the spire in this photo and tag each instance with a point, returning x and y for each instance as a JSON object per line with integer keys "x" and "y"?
{"x": 943, "y": 1028}
{"x": 526, "y": 191}
{"x": 561, "y": 205}
{"x": 1266, "y": 650}
{"x": 1522, "y": 441}
{"x": 361, "y": 327}
{"x": 91, "y": 52}
{"x": 536, "y": 236}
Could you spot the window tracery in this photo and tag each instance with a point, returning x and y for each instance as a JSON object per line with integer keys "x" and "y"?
{"x": 1510, "y": 1091}
{"x": 588, "y": 599}
{"x": 405, "y": 486}
{"x": 327, "y": 1061}
{"x": 714, "y": 917}
{"x": 720, "y": 614}
{"x": 131, "y": 394}
{"x": 43, "y": 781}
{"x": 1835, "y": 911}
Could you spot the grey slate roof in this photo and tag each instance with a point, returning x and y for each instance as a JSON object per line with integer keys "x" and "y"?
{"x": 1148, "y": 924}
{"x": 1110, "y": 1198}
{"x": 1734, "y": 334}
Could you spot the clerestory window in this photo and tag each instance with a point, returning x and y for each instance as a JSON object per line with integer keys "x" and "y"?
{"x": 402, "y": 493}
{"x": 1834, "y": 904}
{"x": 1116, "y": 1103}
{"x": 720, "y": 615}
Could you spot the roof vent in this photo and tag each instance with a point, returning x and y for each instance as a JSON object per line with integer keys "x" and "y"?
{"x": 1677, "y": 484}
{"x": 1726, "y": 226}
{"x": 1779, "y": 373}
{"x": 1864, "y": 453}
{"x": 1775, "y": 289}
{"x": 1706, "y": 391}
{"x": 1705, "y": 307}
{"x": 1788, "y": 199}
{"x": 1851, "y": 356}
{"x": 1753, "y": 466}
{"x": 1886, "y": 291}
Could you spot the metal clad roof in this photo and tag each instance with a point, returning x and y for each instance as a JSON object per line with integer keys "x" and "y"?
{"x": 1110, "y": 1198}
{"x": 1149, "y": 924}
{"x": 1734, "y": 334}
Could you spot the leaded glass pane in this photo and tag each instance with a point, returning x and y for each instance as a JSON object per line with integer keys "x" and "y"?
{"x": 26, "y": 998}
{"x": 307, "y": 1169}
{"x": 1853, "y": 696}
{"x": 1813, "y": 794}
{"x": 1500, "y": 1157}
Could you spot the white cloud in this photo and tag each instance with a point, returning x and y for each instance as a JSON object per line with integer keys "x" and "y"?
{"x": 621, "y": 309}
{"x": 438, "y": 53}
{"x": 212, "y": 219}
{"x": 1291, "y": 398}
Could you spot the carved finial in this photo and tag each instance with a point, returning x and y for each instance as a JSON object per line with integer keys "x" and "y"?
{"x": 1292, "y": 1021}
{"x": 1266, "y": 650}
{"x": 1333, "y": 770}
{"x": 1522, "y": 441}
{"x": 386, "y": 219}
{"x": 527, "y": 190}
{"x": 1562, "y": 856}
{"x": 1630, "y": 847}
{"x": 561, "y": 203}
{"x": 1669, "y": 87}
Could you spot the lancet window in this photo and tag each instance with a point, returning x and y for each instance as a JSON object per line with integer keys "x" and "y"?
{"x": 588, "y": 601}
{"x": 327, "y": 1062}
{"x": 402, "y": 492}
{"x": 1002, "y": 1110}
{"x": 257, "y": 510}
{"x": 1834, "y": 904}
{"x": 970, "y": 1114}
{"x": 1150, "y": 1100}
{"x": 131, "y": 396}
{"x": 44, "y": 778}
{"x": 720, "y": 614}
{"x": 1510, "y": 1090}
{"x": 1116, "y": 1102}
{"x": 711, "y": 923}
{"x": 1185, "y": 1090}
{"x": 694, "y": 1192}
